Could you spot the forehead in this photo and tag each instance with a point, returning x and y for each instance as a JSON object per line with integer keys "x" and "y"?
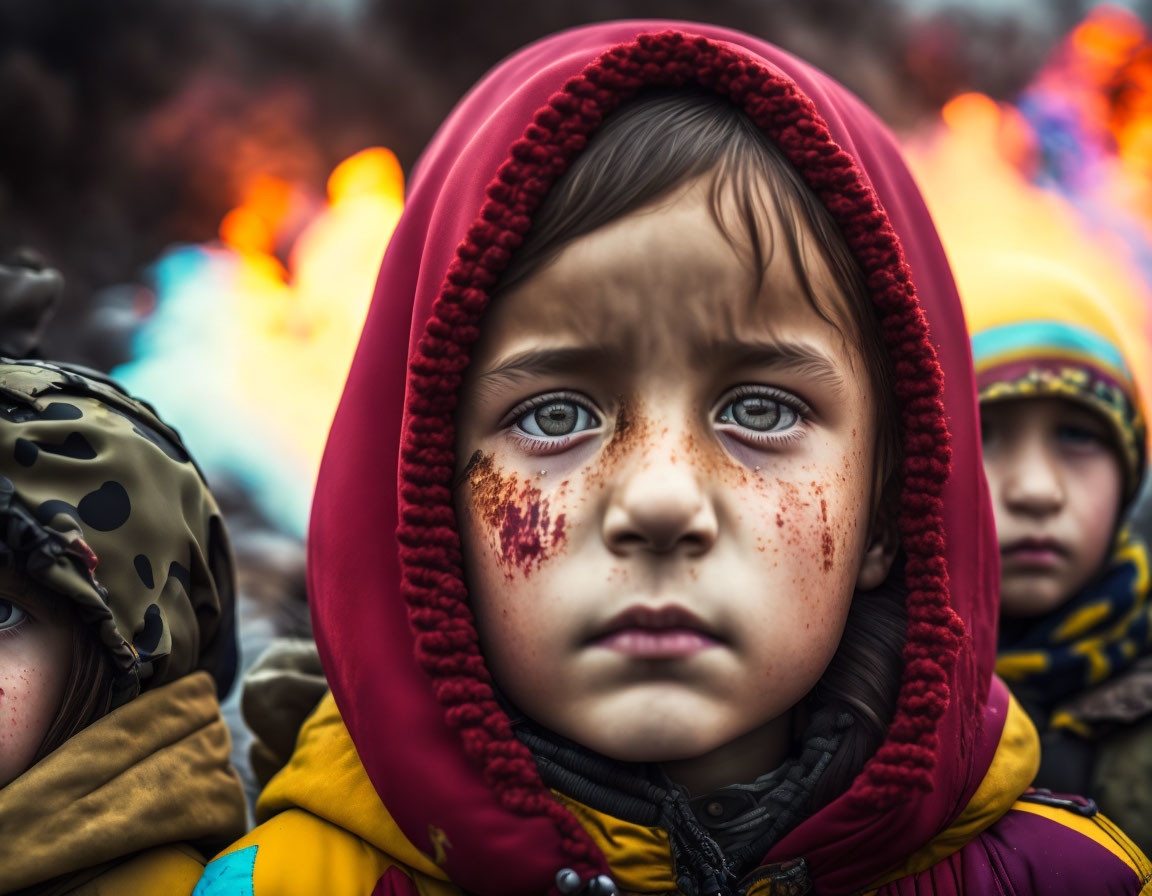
{"x": 669, "y": 276}
{"x": 19, "y": 588}
{"x": 11, "y": 583}
{"x": 1024, "y": 413}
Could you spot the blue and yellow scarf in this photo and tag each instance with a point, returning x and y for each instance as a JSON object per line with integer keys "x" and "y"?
{"x": 1096, "y": 635}
{"x": 1041, "y": 332}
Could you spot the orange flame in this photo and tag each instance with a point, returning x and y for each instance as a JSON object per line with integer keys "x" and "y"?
{"x": 268, "y": 344}
{"x": 303, "y": 322}
{"x": 1104, "y": 72}
{"x": 248, "y": 346}
{"x": 969, "y": 170}
{"x": 251, "y": 227}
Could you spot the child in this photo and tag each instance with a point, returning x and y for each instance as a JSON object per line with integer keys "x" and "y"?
{"x": 116, "y": 638}
{"x": 1064, "y": 451}
{"x": 691, "y": 595}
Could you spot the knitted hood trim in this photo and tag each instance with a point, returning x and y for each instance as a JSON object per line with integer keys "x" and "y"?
{"x": 447, "y": 644}
{"x": 413, "y": 653}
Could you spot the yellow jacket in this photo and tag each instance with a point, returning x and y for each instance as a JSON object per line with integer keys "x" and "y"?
{"x": 130, "y": 805}
{"x": 325, "y": 830}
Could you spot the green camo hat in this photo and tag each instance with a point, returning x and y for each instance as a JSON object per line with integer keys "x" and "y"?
{"x": 101, "y": 503}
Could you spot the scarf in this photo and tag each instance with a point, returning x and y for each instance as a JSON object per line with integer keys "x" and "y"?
{"x": 718, "y": 839}
{"x": 1098, "y": 634}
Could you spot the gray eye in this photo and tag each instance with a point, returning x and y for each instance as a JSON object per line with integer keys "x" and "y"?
{"x": 10, "y": 614}
{"x": 560, "y": 417}
{"x": 759, "y": 413}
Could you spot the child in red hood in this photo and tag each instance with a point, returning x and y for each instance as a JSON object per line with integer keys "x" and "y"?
{"x": 666, "y": 391}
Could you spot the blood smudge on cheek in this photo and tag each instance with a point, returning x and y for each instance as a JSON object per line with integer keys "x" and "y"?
{"x": 790, "y": 511}
{"x": 827, "y": 545}
{"x": 518, "y": 514}
{"x": 799, "y": 526}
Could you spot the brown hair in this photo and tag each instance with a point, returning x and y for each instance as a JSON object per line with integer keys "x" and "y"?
{"x": 648, "y": 147}
{"x": 88, "y": 691}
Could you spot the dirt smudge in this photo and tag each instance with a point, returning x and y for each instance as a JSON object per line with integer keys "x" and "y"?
{"x": 628, "y": 430}
{"x": 517, "y": 513}
{"x": 827, "y": 543}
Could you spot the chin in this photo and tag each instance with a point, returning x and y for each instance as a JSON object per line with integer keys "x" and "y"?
{"x": 646, "y": 734}
{"x": 645, "y": 745}
{"x": 1026, "y": 602}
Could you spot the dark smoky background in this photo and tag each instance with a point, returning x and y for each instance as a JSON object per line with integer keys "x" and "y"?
{"x": 130, "y": 125}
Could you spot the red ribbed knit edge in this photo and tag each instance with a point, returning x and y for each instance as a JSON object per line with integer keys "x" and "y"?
{"x": 446, "y": 641}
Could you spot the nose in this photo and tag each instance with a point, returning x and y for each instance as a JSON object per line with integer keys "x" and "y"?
{"x": 1034, "y": 485}
{"x": 660, "y": 508}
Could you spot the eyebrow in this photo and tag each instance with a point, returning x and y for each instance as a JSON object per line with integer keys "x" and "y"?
{"x": 796, "y": 356}
{"x": 546, "y": 361}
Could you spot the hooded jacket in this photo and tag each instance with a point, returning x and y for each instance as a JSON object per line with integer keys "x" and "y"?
{"x": 1083, "y": 670}
{"x": 134, "y": 803}
{"x": 410, "y": 778}
{"x": 101, "y": 505}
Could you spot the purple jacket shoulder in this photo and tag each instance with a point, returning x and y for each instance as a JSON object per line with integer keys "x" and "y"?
{"x": 1044, "y": 844}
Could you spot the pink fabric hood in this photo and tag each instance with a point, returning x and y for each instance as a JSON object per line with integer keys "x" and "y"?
{"x": 389, "y": 603}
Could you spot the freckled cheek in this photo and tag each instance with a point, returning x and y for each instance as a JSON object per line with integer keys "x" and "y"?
{"x": 27, "y": 704}
{"x": 513, "y": 522}
{"x": 818, "y": 635}
{"x": 1096, "y": 503}
{"x": 525, "y": 628}
{"x": 799, "y": 640}
{"x": 506, "y": 626}
{"x": 814, "y": 525}
{"x": 519, "y": 578}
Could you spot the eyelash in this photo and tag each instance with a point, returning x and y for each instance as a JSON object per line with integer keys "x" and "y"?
{"x": 12, "y": 630}
{"x": 541, "y": 445}
{"x": 1077, "y": 432}
{"x": 765, "y": 439}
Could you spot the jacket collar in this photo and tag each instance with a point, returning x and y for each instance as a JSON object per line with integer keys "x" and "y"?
{"x": 95, "y": 799}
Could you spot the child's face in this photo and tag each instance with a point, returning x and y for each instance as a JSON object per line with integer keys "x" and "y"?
{"x": 667, "y": 488}
{"x": 1056, "y": 490}
{"x": 35, "y": 659}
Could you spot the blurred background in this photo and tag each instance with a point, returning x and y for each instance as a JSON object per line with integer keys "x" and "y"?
{"x": 217, "y": 182}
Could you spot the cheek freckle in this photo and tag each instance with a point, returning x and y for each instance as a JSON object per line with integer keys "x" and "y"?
{"x": 827, "y": 545}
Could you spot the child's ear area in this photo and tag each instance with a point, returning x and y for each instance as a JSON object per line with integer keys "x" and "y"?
{"x": 883, "y": 543}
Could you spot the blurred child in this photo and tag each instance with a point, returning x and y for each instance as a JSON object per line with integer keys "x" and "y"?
{"x": 116, "y": 639}
{"x": 691, "y": 595}
{"x": 1064, "y": 451}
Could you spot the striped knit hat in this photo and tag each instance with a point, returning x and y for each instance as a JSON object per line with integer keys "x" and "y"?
{"x": 1042, "y": 331}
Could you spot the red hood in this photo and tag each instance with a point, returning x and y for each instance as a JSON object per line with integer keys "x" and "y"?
{"x": 392, "y": 621}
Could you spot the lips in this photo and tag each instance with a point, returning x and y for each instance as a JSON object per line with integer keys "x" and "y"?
{"x": 1034, "y": 553}
{"x": 668, "y": 632}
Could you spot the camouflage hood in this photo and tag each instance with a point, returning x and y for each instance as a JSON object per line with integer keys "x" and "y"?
{"x": 100, "y": 502}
